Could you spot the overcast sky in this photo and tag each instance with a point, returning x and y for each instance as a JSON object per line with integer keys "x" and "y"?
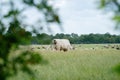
{"x": 83, "y": 17}
{"x": 78, "y": 16}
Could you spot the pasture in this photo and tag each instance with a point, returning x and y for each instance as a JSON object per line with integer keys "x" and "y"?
{"x": 86, "y": 62}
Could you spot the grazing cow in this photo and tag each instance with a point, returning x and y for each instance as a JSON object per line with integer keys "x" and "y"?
{"x": 118, "y": 48}
{"x": 62, "y": 44}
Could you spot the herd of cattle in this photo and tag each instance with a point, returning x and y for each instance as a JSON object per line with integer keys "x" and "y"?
{"x": 64, "y": 45}
{"x": 117, "y": 47}
{"x": 58, "y": 45}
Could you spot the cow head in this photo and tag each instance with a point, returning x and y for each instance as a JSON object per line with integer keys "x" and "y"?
{"x": 54, "y": 41}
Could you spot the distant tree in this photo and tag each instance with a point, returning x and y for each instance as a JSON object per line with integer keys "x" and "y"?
{"x": 91, "y": 38}
{"x": 59, "y": 36}
{"x": 44, "y": 38}
{"x": 74, "y": 38}
{"x": 13, "y": 32}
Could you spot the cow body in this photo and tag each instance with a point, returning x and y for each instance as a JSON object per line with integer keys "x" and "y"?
{"x": 62, "y": 44}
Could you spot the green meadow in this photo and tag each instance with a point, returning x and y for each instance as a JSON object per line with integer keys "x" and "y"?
{"x": 86, "y": 62}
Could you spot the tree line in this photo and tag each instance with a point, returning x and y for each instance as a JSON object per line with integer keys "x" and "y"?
{"x": 91, "y": 38}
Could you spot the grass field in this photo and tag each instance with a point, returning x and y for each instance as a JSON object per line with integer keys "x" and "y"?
{"x": 86, "y": 62}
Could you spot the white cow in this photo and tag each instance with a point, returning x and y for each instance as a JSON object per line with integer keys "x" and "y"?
{"x": 62, "y": 44}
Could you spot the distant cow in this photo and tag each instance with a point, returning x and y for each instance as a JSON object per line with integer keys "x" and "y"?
{"x": 62, "y": 44}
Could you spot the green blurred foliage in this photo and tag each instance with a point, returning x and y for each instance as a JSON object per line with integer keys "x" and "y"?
{"x": 112, "y": 6}
{"x": 117, "y": 68}
{"x": 13, "y": 33}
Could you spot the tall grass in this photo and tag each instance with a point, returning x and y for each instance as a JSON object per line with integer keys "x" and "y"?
{"x": 79, "y": 64}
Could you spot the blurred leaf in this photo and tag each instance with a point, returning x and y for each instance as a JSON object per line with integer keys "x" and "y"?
{"x": 116, "y": 18}
{"x": 117, "y": 68}
{"x": 2, "y": 28}
{"x": 12, "y": 12}
{"x": 102, "y": 3}
{"x": 112, "y": 6}
{"x": 29, "y": 2}
{"x": 13, "y": 33}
